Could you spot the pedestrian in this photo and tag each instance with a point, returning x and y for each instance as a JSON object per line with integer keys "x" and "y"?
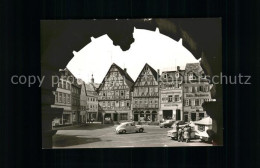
{"x": 177, "y": 129}
{"x": 179, "y": 135}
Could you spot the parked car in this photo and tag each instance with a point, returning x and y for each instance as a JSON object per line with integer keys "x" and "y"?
{"x": 173, "y": 132}
{"x": 166, "y": 123}
{"x": 128, "y": 127}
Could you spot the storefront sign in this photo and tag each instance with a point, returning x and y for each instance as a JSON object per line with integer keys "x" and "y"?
{"x": 171, "y": 104}
{"x": 197, "y": 95}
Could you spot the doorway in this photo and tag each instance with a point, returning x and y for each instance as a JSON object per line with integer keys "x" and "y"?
{"x": 193, "y": 116}
{"x": 115, "y": 117}
{"x": 178, "y": 114}
{"x": 186, "y": 117}
{"x": 135, "y": 116}
{"x": 167, "y": 114}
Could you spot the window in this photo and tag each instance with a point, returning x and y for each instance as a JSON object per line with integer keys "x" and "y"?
{"x": 56, "y": 97}
{"x": 127, "y": 104}
{"x": 194, "y": 90}
{"x": 122, "y": 93}
{"x": 170, "y": 98}
{"x": 176, "y": 98}
{"x": 177, "y": 75}
{"x": 68, "y": 85}
{"x": 122, "y": 104}
{"x": 206, "y": 100}
{"x": 201, "y": 115}
{"x": 123, "y": 116}
{"x": 193, "y": 102}
{"x": 187, "y": 102}
{"x": 190, "y": 76}
{"x": 201, "y": 88}
{"x": 64, "y": 85}
{"x": 205, "y": 88}
{"x": 197, "y": 102}
{"x": 165, "y": 76}
{"x": 104, "y": 104}
{"x": 201, "y": 101}
{"x": 60, "y": 94}
{"x": 117, "y": 104}
{"x": 68, "y": 98}
{"x": 64, "y": 98}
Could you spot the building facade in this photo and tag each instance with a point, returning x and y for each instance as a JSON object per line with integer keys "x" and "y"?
{"x": 63, "y": 98}
{"x": 83, "y": 104}
{"x": 114, "y": 95}
{"x": 171, "y": 91}
{"x": 75, "y": 101}
{"x": 145, "y": 100}
{"x": 92, "y": 100}
{"x": 196, "y": 90}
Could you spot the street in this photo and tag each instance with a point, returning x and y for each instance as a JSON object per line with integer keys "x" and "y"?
{"x": 103, "y": 136}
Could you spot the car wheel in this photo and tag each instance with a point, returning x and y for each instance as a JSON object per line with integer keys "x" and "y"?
{"x": 124, "y": 131}
{"x": 141, "y": 130}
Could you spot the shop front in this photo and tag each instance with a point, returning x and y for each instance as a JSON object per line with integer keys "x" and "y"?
{"x": 145, "y": 115}
{"x": 194, "y": 113}
{"x": 171, "y": 111}
{"x": 116, "y": 116}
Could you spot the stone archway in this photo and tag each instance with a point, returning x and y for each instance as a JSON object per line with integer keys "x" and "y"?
{"x": 202, "y": 37}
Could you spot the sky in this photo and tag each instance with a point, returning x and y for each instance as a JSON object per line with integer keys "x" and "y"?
{"x": 158, "y": 50}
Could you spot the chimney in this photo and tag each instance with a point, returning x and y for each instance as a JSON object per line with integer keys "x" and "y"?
{"x": 125, "y": 69}
{"x": 92, "y": 79}
{"x": 178, "y": 68}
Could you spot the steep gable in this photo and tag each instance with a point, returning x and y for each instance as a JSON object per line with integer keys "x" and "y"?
{"x": 115, "y": 72}
{"x": 149, "y": 74}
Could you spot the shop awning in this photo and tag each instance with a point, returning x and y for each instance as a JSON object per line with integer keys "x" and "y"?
{"x": 204, "y": 121}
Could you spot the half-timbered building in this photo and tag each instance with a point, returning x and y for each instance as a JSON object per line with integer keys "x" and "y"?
{"x": 146, "y": 95}
{"x": 115, "y": 95}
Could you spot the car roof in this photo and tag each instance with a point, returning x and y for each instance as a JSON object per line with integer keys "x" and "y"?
{"x": 126, "y": 123}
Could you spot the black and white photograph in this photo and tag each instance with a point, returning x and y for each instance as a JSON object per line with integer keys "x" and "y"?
{"x": 127, "y": 83}
{"x": 130, "y": 83}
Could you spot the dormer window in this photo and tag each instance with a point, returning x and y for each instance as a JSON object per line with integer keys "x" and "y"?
{"x": 190, "y": 76}
{"x": 177, "y": 75}
{"x": 165, "y": 76}
{"x": 203, "y": 76}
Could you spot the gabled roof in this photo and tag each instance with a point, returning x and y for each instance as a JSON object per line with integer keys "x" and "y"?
{"x": 90, "y": 87}
{"x": 181, "y": 72}
{"x": 83, "y": 87}
{"x": 195, "y": 67}
{"x": 154, "y": 73}
{"x": 129, "y": 80}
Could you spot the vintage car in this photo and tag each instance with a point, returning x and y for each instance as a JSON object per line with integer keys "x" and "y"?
{"x": 173, "y": 132}
{"x": 166, "y": 123}
{"x": 201, "y": 128}
{"x": 128, "y": 127}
